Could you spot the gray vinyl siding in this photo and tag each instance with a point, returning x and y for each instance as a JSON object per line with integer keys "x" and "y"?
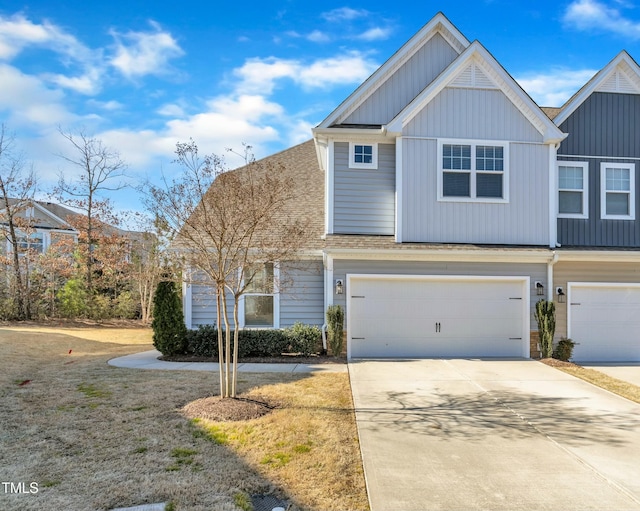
{"x": 536, "y": 272}
{"x": 474, "y": 114}
{"x": 605, "y": 126}
{"x": 405, "y": 84}
{"x": 203, "y": 306}
{"x": 302, "y": 296}
{"x": 364, "y": 199}
{"x": 565, "y": 272}
{"x": 524, "y": 220}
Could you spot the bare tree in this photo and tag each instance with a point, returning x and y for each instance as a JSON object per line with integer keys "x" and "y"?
{"x": 17, "y": 187}
{"x": 100, "y": 170}
{"x": 227, "y": 225}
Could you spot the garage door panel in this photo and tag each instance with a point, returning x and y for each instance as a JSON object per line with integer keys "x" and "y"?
{"x": 605, "y": 322}
{"x": 421, "y": 317}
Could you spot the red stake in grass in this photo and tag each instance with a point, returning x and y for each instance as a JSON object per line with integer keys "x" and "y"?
{"x": 25, "y": 382}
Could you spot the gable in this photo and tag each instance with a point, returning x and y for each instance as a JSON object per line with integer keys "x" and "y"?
{"x": 620, "y": 76}
{"x": 477, "y": 69}
{"x": 397, "y": 90}
{"x": 427, "y": 53}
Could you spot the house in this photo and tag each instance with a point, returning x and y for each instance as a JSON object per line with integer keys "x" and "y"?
{"x": 444, "y": 210}
{"x": 44, "y": 224}
{"x": 599, "y": 215}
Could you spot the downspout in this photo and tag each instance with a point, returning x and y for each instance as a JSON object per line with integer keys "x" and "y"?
{"x": 552, "y": 261}
{"x": 328, "y": 293}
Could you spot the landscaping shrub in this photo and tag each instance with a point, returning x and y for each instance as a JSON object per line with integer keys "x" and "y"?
{"x": 335, "y": 322}
{"x": 564, "y": 349}
{"x": 203, "y": 342}
{"x": 545, "y": 315}
{"x": 304, "y": 339}
{"x": 169, "y": 331}
{"x": 124, "y": 306}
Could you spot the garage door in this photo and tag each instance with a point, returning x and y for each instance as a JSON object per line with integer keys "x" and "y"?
{"x": 428, "y": 316}
{"x": 605, "y": 320}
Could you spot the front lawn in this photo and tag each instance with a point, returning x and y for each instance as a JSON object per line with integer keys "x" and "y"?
{"x": 97, "y": 437}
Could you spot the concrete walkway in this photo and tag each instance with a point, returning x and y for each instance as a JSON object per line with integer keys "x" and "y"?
{"x": 149, "y": 360}
{"x": 496, "y": 435}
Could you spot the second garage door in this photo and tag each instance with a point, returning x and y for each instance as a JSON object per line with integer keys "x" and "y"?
{"x": 435, "y": 316}
{"x": 604, "y": 319}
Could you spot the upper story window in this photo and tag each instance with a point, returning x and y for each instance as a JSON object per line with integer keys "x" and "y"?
{"x": 363, "y": 156}
{"x": 259, "y": 297}
{"x": 617, "y": 191}
{"x": 33, "y": 242}
{"x": 476, "y": 171}
{"x": 573, "y": 190}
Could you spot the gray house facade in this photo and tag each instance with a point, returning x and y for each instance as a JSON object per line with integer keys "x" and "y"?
{"x": 447, "y": 203}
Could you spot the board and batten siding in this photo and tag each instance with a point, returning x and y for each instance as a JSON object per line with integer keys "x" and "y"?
{"x": 405, "y": 84}
{"x": 302, "y": 296}
{"x": 364, "y": 199}
{"x": 605, "y": 128}
{"x": 472, "y": 113}
{"x": 536, "y": 272}
{"x": 524, "y": 220}
{"x": 565, "y": 272}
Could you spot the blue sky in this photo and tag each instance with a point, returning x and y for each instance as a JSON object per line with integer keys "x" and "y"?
{"x": 142, "y": 76}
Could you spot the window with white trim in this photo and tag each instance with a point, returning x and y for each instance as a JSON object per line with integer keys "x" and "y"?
{"x": 617, "y": 191}
{"x": 363, "y": 156}
{"x": 259, "y": 297}
{"x": 476, "y": 171}
{"x": 573, "y": 190}
{"x": 32, "y": 242}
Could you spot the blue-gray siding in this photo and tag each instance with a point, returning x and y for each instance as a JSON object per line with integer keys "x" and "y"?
{"x": 524, "y": 220}
{"x": 606, "y": 127}
{"x": 405, "y": 84}
{"x": 302, "y": 296}
{"x": 364, "y": 199}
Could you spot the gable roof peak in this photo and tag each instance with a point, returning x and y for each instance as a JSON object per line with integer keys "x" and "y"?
{"x": 439, "y": 24}
{"x": 621, "y": 75}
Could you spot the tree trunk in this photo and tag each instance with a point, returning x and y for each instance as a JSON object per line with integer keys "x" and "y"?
{"x": 236, "y": 335}
{"x": 219, "y": 295}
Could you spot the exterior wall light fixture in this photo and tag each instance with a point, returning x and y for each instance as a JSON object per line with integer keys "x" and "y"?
{"x": 339, "y": 286}
{"x": 539, "y": 288}
{"x": 560, "y": 293}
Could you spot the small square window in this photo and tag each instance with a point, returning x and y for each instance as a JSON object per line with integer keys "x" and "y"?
{"x": 363, "y": 156}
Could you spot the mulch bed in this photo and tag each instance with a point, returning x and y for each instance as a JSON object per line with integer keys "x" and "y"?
{"x": 557, "y": 363}
{"x": 218, "y": 409}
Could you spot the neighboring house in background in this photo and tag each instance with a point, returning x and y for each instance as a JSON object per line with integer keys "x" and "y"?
{"x": 45, "y": 224}
{"x": 435, "y": 198}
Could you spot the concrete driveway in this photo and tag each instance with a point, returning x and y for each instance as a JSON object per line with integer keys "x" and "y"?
{"x": 625, "y": 371}
{"x": 493, "y": 434}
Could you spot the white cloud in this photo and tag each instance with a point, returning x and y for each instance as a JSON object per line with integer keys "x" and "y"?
{"x": 556, "y": 87}
{"x": 144, "y": 53}
{"x": 88, "y": 84}
{"x": 171, "y": 110}
{"x": 318, "y": 37}
{"x": 29, "y": 101}
{"x": 261, "y": 75}
{"x": 344, "y": 14}
{"x": 375, "y": 34}
{"x": 594, "y": 15}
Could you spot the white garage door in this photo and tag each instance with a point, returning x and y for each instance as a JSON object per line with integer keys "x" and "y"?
{"x": 428, "y": 316}
{"x": 605, "y": 320}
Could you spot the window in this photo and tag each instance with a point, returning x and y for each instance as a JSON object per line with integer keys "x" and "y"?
{"x": 363, "y": 156}
{"x": 259, "y": 297}
{"x": 33, "y": 242}
{"x": 473, "y": 171}
{"x": 573, "y": 190}
{"x": 617, "y": 191}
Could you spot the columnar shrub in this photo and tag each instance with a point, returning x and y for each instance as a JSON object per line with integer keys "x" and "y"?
{"x": 546, "y": 317}
{"x": 335, "y": 323}
{"x": 169, "y": 331}
{"x": 72, "y": 298}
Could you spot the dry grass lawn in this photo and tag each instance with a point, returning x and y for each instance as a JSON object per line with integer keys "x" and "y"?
{"x": 604, "y": 381}
{"x": 95, "y": 437}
